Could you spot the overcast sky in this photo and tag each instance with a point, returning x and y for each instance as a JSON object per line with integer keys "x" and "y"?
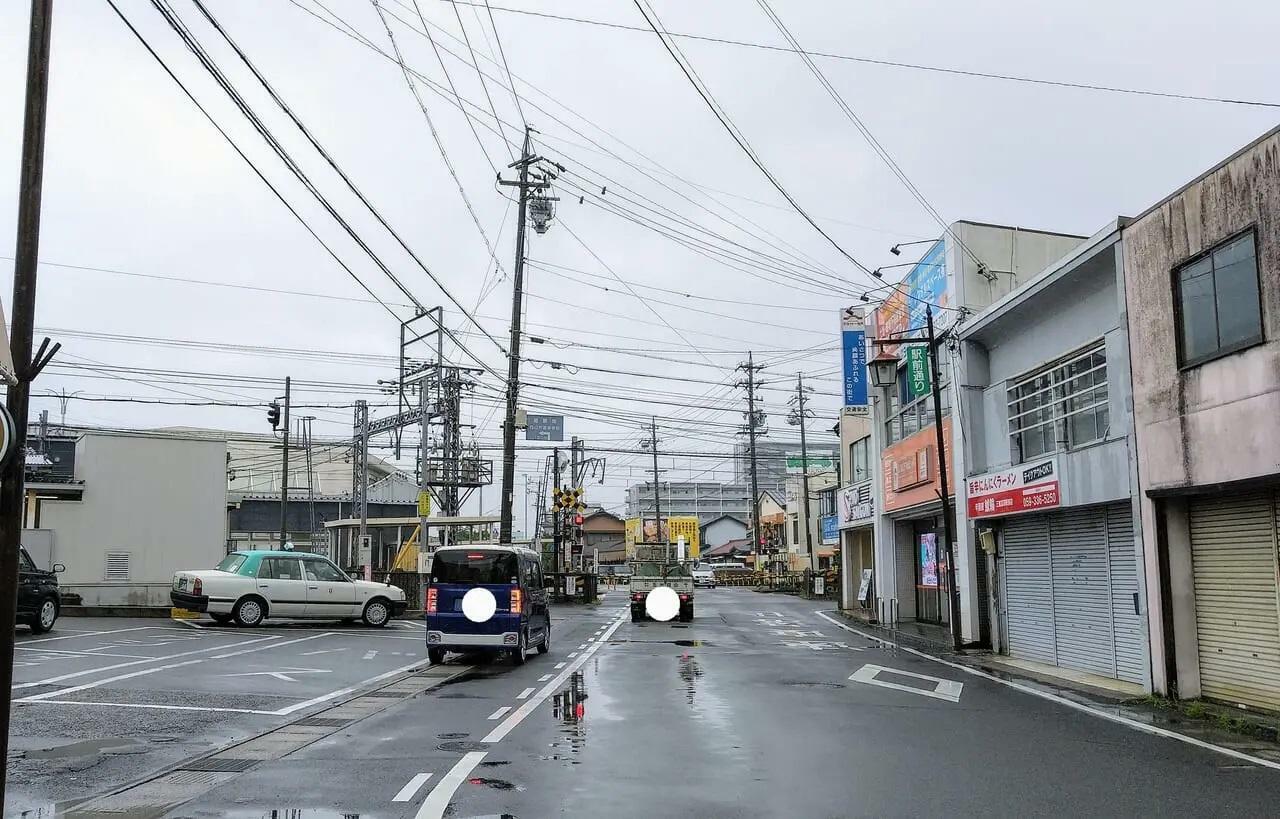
{"x": 137, "y": 181}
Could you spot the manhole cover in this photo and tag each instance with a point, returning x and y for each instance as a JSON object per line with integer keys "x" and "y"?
{"x": 323, "y": 722}
{"x": 220, "y": 764}
{"x": 463, "y": 746}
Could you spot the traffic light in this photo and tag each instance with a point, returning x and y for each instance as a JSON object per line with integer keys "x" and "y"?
{"x": 577, "y": 519}
{"x": 273, "y": 414}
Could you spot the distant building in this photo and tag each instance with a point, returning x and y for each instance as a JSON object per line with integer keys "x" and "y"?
{"x": 721, "y": 530}
{"x": 771, "y": 462}
{"x": 706, "y": 500}
{"x": 607, "y": 533}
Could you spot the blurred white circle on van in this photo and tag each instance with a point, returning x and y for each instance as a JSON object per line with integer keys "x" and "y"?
{"x": 478, "y": 605}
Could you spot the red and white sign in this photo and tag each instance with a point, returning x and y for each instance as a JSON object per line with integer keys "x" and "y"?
{"x": 1023, "y": 488}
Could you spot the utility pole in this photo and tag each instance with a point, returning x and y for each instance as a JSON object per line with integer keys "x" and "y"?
{"x": 527, "y": 182}
{"x": 798, "y": 417}
{"x": 284, "y": 472}
{"x": 26, "y": 256}
{"x": 360, "y": 482}
{"x": 751, "y": 431}
{"x": 557, "y": 514}
{"x": 953, "y": 593}
{"x": 657, "y": 500}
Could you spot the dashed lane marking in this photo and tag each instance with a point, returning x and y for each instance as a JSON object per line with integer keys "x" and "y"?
{"x": 437, "y": 802}
{"x": 584, "y": 645}
{"x": 369, "y": 655}
{"x": 524, "y": 695}
{"x": 572, "y": 654}
{"x": 560, "y": 666}
{"x": 544, "y": 677}
{"x": 500, "y": 712}
{"x": 411, "y": 789}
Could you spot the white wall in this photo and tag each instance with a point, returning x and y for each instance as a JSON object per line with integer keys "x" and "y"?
{"x": 161, "y": 500}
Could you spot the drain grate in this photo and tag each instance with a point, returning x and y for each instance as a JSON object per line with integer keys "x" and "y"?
{"x": 323, "y": 722}
{"x": 221, "y": 765}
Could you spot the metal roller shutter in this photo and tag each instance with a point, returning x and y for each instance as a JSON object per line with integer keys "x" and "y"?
{"x": 1130, "y": 645}
{"x": 1233, "y": 557}
{"x": 1081, "y": 591}
{"x": 1028, "y": 588}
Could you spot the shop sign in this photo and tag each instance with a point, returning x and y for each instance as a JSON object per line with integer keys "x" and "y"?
{"x": 912, "y": 469}
{"x": 830, "y": 529}
{"x": 918, "y": 370}
{"x": 853, "y": 342}
{"x": 1024, "y": 488}
{"x": 929, "y": 560}
{"x": 855, "y": 505}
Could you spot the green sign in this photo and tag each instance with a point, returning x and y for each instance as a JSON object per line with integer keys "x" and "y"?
{"x": 918, "y": 370}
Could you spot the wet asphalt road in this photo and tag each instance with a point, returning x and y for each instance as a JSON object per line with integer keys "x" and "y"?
{"x": 749, "y": 711}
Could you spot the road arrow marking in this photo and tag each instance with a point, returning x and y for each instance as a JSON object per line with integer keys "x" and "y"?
{"x": 282, "y": 674}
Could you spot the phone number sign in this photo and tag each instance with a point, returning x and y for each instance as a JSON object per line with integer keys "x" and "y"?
{"x": 1025, "y": 488}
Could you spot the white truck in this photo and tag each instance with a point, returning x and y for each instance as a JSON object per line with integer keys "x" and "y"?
{"x": 655, "y": 566}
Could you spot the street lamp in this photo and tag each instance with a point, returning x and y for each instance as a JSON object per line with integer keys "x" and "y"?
{"x": 897, "y": 252}
{"x": 884, "y": 369}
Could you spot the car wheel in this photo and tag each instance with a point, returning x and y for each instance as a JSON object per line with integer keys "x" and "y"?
{"x": 250, "y": 611}
{"x": 45, "y": 617}
{"x": 545, "y": 645}
{"x": 221, "y": 619}
{"x": 376, "y": 613}
{"x": 436, "y": 656}
{"x": 636, "y": 616}
{"x": 517, "y": 653}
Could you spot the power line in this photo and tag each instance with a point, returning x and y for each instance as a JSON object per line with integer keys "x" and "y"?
{"x": 497, "y": 38}
{"x": 475, "y": 62}
{"x": 892, "y": 63}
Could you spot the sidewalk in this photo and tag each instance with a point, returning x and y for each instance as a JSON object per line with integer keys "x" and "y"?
{"x": 1253, "y": 734}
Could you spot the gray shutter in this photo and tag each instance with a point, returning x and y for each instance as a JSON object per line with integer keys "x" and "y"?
{"x": 906, "y": 576}
{"x": 1233, "y": 554}
{"x": 1131, "y": 654}
{"x": 1028, "y": 588}
{"x": 1081, "y": 591}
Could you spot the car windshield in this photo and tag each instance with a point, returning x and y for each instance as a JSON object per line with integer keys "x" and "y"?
{"x": 231, "y": 563}
{"x": 24, "y": 560}
{"x": 473, "y": 567}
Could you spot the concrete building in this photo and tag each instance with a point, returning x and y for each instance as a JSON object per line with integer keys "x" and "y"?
{"x": 1046, "y": 475}
{"x": 771, "y": 462}
{"x": 855, "y": 505}
{"x": 150, "y": 503}
{"x": 804, "y": 526}
{"x": 1202, "y": 287}
{"x": 707, "y": 500}
{"x": 969, "y": 268}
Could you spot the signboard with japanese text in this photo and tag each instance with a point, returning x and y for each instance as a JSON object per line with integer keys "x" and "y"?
{"x": 918, "y": 370}
{"x": 830, "y": 529}
{"x": 796, "y": 463}
{"x": 914, "y": 459}
{"x": 904, "y": 309}
{"x": 853, "y": 354}
{"x": 855, "y": 505}
{"x": 1027, "y": 487}
{"x": 544, "y": 428}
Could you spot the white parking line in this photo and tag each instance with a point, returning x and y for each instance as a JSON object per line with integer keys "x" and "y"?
{"x": 74, "y": 674}
{"x": 524, "y": 695}
{"x": 59, "y": 653}
{"x": 533, "y": 702}
{"x": 64, "y": 691}
{"x": 498, "y": 714}
{"x": 1088, "y": 709}
{"x": 188, "y": 623}
{"x": 437, "y": 802}
{"x": 410, "y": 790}
{"x": 80, "y": 634}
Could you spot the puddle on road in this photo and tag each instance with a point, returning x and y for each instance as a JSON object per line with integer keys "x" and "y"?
{"x": 499, "y": 784}
{"x": 493, "y": 763}
{"x": 454, "y": 735}
{"x": 569, "y": 707}
{"x": 689, "y": 672}
{"x": 87, "y": 747}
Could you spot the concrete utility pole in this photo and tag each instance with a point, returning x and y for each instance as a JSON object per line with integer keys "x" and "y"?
{"x": 26, "y": 256}
{"x": 953, "y": 593}
{"x": 556, "y": 515}
{"x": 284, "y": 472}
{"x": 752, "y": 423}
{"x": 799, "y": 418}
{"x": 657, "y": 499}
{"x": 527, "y": 182}
{"x": 360, "y": 481}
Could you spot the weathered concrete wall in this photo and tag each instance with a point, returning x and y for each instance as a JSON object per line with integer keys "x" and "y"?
{"x": 1215, "y": 422}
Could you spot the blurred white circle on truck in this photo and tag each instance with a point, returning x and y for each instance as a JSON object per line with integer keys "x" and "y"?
{"x": 478, "y": 605}
{"x": 662, "y": 603}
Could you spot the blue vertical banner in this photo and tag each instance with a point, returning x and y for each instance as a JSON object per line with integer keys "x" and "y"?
{"x": 853, "y": 352}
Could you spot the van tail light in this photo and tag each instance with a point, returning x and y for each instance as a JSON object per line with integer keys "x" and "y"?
{"x": 517, "y": 601}
{"x": 431, "y": 600}
{"x": 197, "y": 587}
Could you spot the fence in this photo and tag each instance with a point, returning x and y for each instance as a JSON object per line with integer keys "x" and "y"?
{"x": 801, "y": 583}
{"x": 410, "y": 582}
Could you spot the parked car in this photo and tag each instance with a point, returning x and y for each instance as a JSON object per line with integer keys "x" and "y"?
{"x": 38, "y": 600}
{"x": 488, "y": 599}
{"x": 251, "y": 586}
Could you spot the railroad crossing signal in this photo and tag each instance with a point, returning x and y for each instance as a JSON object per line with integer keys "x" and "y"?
{"x": 568, "y": 499}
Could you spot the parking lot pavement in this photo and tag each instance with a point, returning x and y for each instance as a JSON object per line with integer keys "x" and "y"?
{"x": 102, "y": 701}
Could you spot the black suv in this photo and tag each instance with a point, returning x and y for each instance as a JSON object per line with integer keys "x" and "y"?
{"x": 38, "y": 599}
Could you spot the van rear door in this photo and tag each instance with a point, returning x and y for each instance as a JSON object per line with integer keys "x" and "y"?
{"x": 456, "y": 572}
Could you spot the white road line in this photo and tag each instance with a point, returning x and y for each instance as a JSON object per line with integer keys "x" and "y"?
{"x": 572, "y": 654}
{"x": 351, "y": 688}
{"x": 498, "y": 714}
{"x": 148, "y": 705}
{"x": 1079, "y": 706}
{"x": 560, "y": 666}
{"x": 80, "y": 634}
{"x": 322, "y": 651}
{"x": 64, "y": 691}
{"x": 584, "y": 645}
{"x": 533, "y": 702}
{"x": 544, "y": 678}
{"x": 524, "y": 695}
{"x": 437, "y": 802}
{"x": 410, "y": 790}
{"x": 62, "y": 653}
{"x": 188, "y": 623}
{"x": 411, "y": 623}
{"x": 369, "y": 655}
{"x": 74, "y": 674}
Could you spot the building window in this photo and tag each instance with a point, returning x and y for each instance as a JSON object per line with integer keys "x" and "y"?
{"x": 908, "y": 413}
{"x": 860, "y": 460}
{"x": 1063, "y": 406}
{"x": 1219, "y": 310}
